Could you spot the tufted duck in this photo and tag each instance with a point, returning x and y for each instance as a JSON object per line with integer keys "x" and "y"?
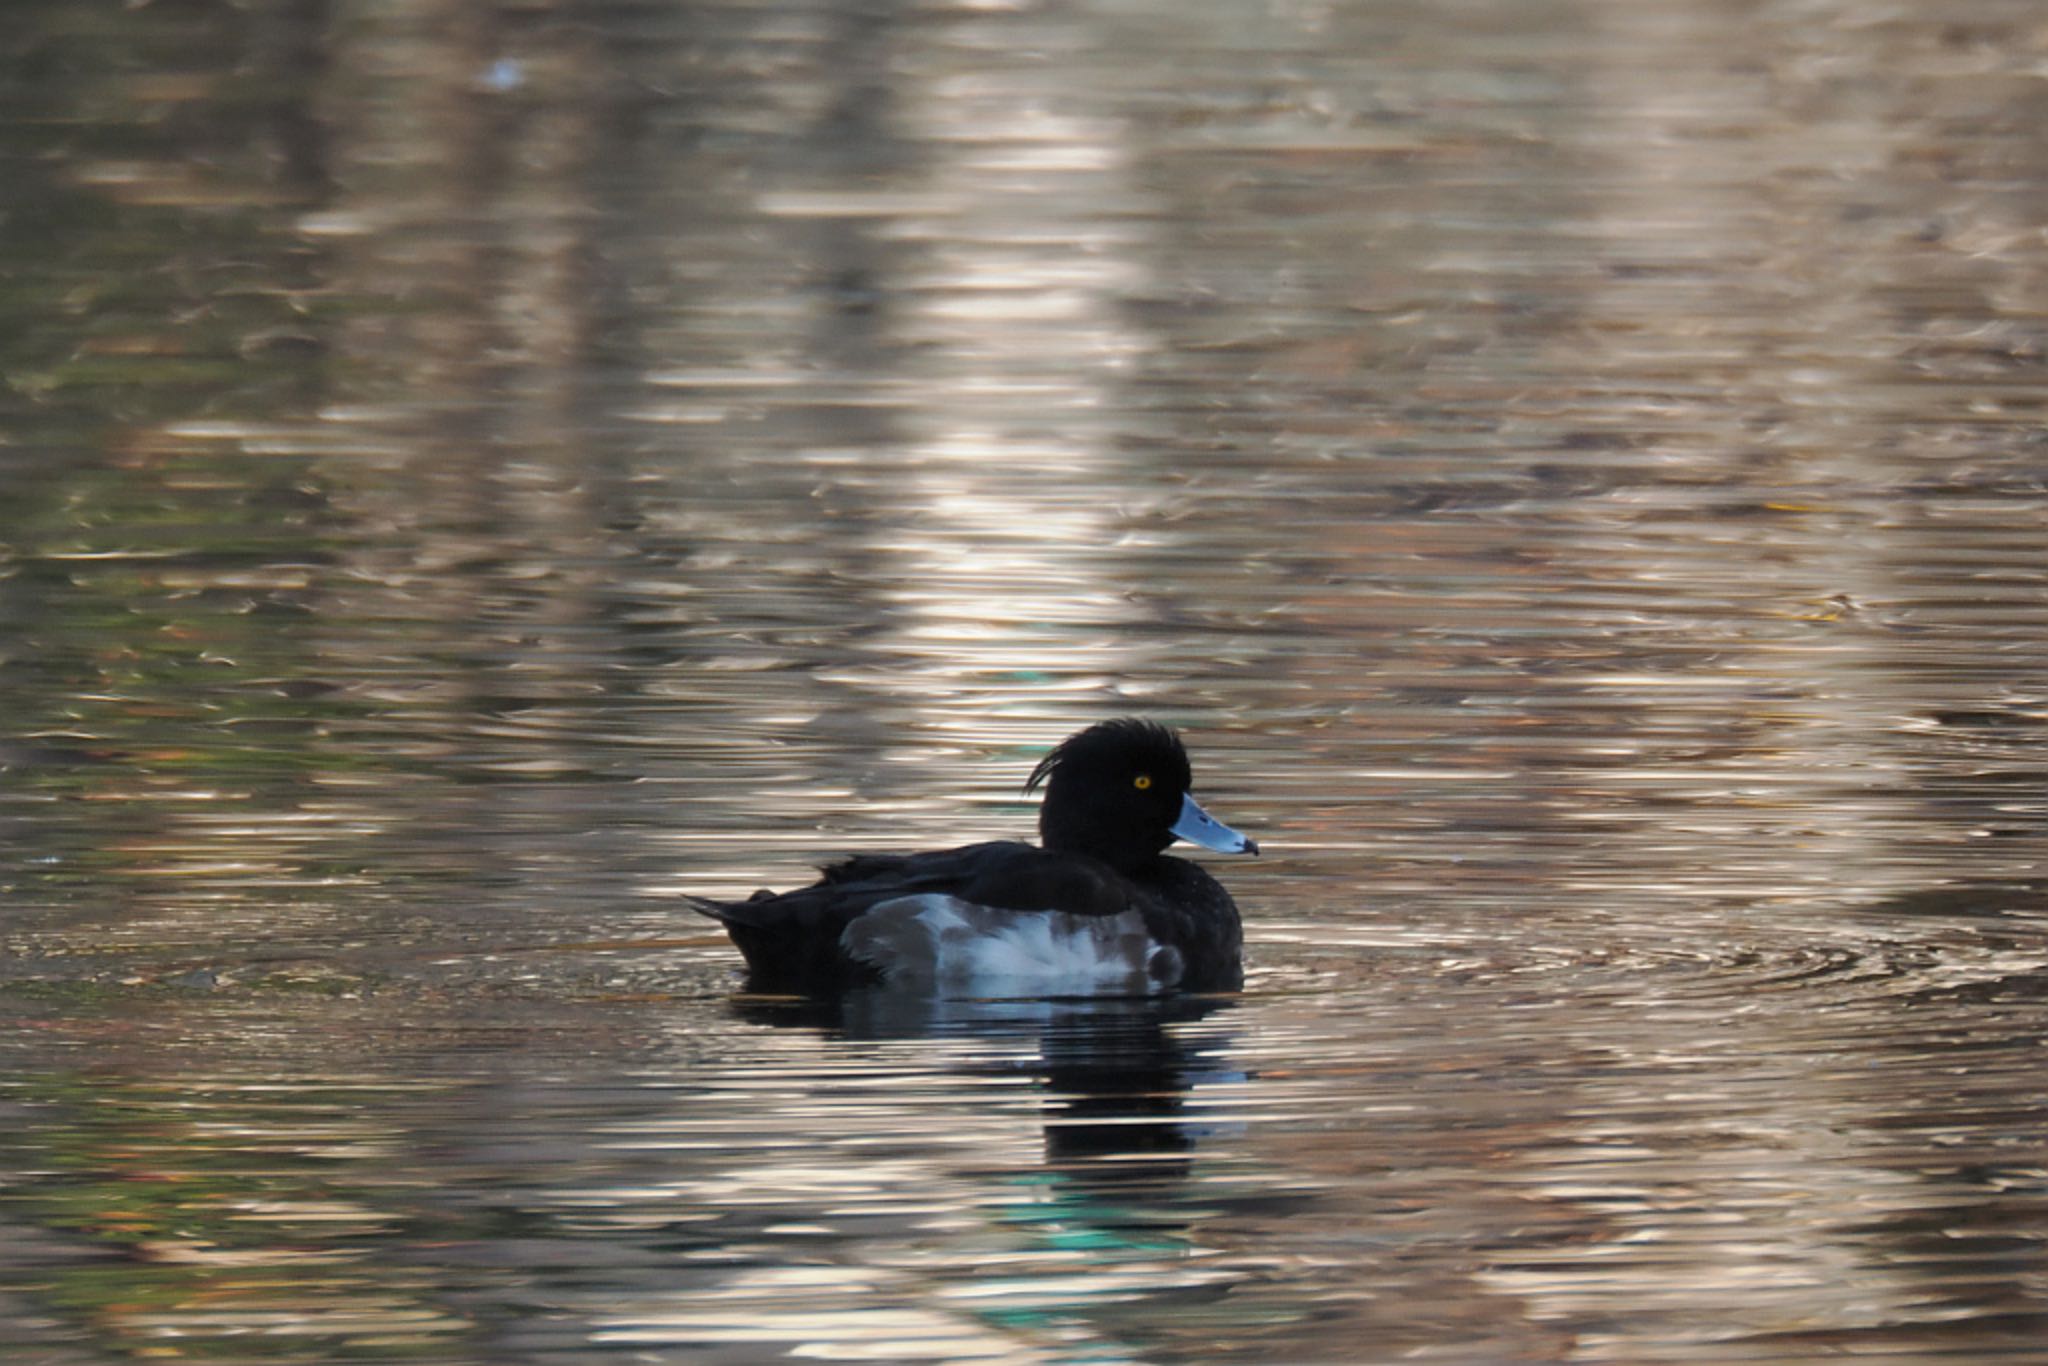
{"x": 1096, "y": 909}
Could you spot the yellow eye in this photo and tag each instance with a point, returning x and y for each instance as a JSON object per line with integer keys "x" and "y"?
{"x": 1142, "y": 781}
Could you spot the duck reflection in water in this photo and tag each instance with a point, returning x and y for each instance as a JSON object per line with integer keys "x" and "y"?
{"x": 1116, "y": 1075}
{"x": 1097, "y": 908}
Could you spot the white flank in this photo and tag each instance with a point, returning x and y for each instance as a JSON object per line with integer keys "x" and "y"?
{"x": 958, "y": 948}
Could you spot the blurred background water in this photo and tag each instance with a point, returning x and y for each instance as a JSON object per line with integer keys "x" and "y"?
{"x": 1574, "y": 470}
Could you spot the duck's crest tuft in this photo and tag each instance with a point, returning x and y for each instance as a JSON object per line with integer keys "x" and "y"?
{"x": 1125, "y": 732}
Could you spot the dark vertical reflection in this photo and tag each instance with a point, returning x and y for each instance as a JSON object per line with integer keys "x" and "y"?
{"x": 289, "y": 45}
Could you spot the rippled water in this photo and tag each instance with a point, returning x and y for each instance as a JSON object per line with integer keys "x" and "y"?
{"x": 1574, "y": 471}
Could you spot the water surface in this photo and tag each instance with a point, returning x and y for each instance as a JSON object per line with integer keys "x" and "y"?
{"x": 1573, "y": 471}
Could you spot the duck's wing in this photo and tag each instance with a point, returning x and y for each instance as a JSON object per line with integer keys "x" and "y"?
{"x": 1004, "y": 873}
{"x": 799, "y": 937}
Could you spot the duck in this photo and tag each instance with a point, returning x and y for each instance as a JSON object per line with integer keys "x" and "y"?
{"x": 1095, "y": 908}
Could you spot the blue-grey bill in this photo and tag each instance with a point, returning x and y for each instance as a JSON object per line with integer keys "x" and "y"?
{"x": 1197, "y": 826}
